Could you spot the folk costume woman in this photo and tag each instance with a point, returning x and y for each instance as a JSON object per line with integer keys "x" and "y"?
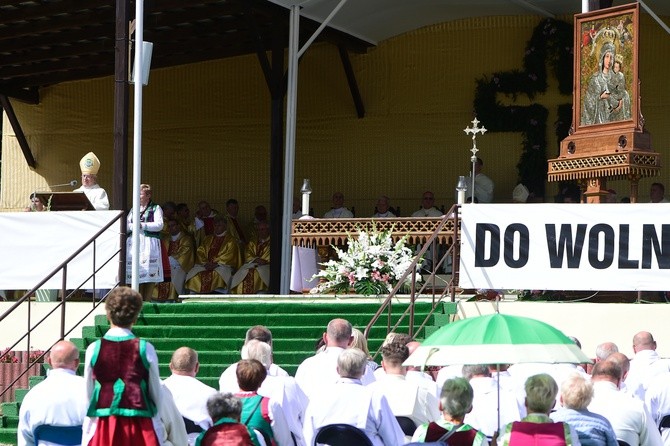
{"x": 153, "y": 265}
{"x": 122, "y": 380}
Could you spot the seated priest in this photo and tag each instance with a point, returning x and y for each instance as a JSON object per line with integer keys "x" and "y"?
{"x": 203, "y": 224}
{"x": 217, "y": 257}
{"x": 254, "y": 276}
{"x": 180, "y": 249}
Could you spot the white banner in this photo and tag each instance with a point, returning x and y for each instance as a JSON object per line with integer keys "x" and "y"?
{"x": 33, "y": 244}
{"x": 608, "y": 247}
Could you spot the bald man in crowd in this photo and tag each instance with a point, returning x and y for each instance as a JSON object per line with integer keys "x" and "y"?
{"x": 190, "y": 395}
{"x": 645, "y": 365}
{"x": 59, "y": 400}
{"x": 321, "y": 369}
{"x": 629, "y": 418}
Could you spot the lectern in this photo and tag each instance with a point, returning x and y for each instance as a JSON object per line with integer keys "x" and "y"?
{"x": 65, "y": 201}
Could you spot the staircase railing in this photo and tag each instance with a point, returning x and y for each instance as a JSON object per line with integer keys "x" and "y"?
{"x": 438, "y": 261}
{"x": 66, "y": 295}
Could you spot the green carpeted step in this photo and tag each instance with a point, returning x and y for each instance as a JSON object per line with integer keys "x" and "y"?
{"x": 198, "y": 344}
{"x": 206, "y": 370}
{"x": 243, "y": 320}
{"x": 269, "y": 307}
{"x": 35, "y": 380}
{"x": 10, "y": 408}
{"x": 10, "y": 421}
{"x": 229, "y": 357}
{"x": 310, "y": 334}
{"x": 19, "y": 394}
{"x": 7, "y": 435}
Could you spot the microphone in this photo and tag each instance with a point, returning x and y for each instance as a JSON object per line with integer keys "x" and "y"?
{"x": 71, "y": 183}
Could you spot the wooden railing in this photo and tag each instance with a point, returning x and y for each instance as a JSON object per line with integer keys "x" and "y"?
{"x": 437, "y": 235}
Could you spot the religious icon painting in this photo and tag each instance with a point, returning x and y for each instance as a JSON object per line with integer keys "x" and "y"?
{"x": 606, "y": 68}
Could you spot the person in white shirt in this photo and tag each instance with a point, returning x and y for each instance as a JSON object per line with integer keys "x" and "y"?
{"x": 283, "y": 391}
{"x": 59, "y": 400}
{"x": 604, "y": 349}
{"x": 406, "y": 398}
{"x": 657, "y": 402}
{"x": 630, "y": 420}
{"x": 171, "y": 430}
{"x": 321, "y": 369}
{"x": 483, "y": 185}
{"x": 493, "y": 407}
{"x": 347, "y": 401}
{"x": 383, "y": 205}
{"x": 338, "y": 210}
{"x": 645, "y": 364}
{"x": 190, "y": 395}
{"x": 423, "y": 379}
{"x": 427, "y": 208}
{"x": 228, "y": 379}
{"x": 657, "y": 193}
{"x": 90, "y": 165}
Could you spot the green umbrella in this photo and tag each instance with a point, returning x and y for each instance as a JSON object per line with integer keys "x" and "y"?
{"x": 496, "y": 339}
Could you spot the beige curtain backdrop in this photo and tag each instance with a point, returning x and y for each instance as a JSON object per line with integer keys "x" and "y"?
{"x": 206, "y": 126}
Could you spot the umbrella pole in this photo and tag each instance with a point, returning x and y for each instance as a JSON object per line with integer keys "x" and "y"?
{"x": 498, "y": 382}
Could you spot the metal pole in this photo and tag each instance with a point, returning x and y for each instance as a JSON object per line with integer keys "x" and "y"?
{"x": 294, "y": 53}
{"x": 137, "y": 142}
{"x": 320, "y": 28}
{"x": 289, "y": 157}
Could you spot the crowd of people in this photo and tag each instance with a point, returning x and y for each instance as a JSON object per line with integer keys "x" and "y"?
{"x": 121, "y": 400}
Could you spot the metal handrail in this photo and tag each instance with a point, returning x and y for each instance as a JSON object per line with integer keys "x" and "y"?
{"x": 452, "y": 251}
{"x": 61, "y": 305}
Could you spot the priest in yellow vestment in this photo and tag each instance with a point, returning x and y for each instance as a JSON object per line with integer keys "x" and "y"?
{"x": 254, "y": 276}
{"x": 218, "y": 256}
{"x": 180, "y": 249}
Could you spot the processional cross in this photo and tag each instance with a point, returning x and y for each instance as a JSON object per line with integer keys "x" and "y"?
{"x": 474, "y": 130}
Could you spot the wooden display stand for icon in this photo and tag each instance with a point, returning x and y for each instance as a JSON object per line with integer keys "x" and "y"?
{"x": 65, "y": 201}
{"x": 597, "y": 151}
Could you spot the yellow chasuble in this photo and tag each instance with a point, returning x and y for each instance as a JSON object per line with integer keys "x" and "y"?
{"x": 257, "y": 252}
{"x": 183, "y": 251}
{"x": 222, "y": 250}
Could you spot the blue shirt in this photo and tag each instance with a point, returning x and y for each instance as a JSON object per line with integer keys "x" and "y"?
{"x": 592, "y": 429}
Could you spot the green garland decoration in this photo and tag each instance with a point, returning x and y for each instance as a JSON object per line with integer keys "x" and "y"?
{"x": 550, "y": 44}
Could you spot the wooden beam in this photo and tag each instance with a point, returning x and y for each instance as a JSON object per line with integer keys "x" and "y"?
{"x": 260, "y": 47}
{"x": 69, "y": 21}
{"x": 28, "y": 95}
{"x": 27, "y": 11}
{"x": 56, "y": 52}
{"x": 18, "y": 131}
{"x": 351, "y": 80}
{"x": 277, "y": 91}
{"x": 121, "y": 104}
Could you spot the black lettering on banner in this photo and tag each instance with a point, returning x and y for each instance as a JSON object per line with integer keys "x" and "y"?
{"x": 624, "y": 241}
{"x": 480, "y": 245}
{"x": 508, "y": 247}
{"x": 661, "y": 249}
{"x": 608, "y": 242}
{"x": 565, "y": 245}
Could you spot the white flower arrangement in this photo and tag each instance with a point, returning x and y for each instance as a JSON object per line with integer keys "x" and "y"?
{"x": 372, "y": 265}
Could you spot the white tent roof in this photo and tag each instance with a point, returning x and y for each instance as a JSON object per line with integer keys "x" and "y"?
{"x": 377, "y": 20}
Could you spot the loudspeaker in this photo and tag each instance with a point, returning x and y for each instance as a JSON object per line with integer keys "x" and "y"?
{"x": 147, "y": 50}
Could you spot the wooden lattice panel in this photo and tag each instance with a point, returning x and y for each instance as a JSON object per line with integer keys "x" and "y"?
{"x": 620, "y": 165}
{"x": 330, "y": 231}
